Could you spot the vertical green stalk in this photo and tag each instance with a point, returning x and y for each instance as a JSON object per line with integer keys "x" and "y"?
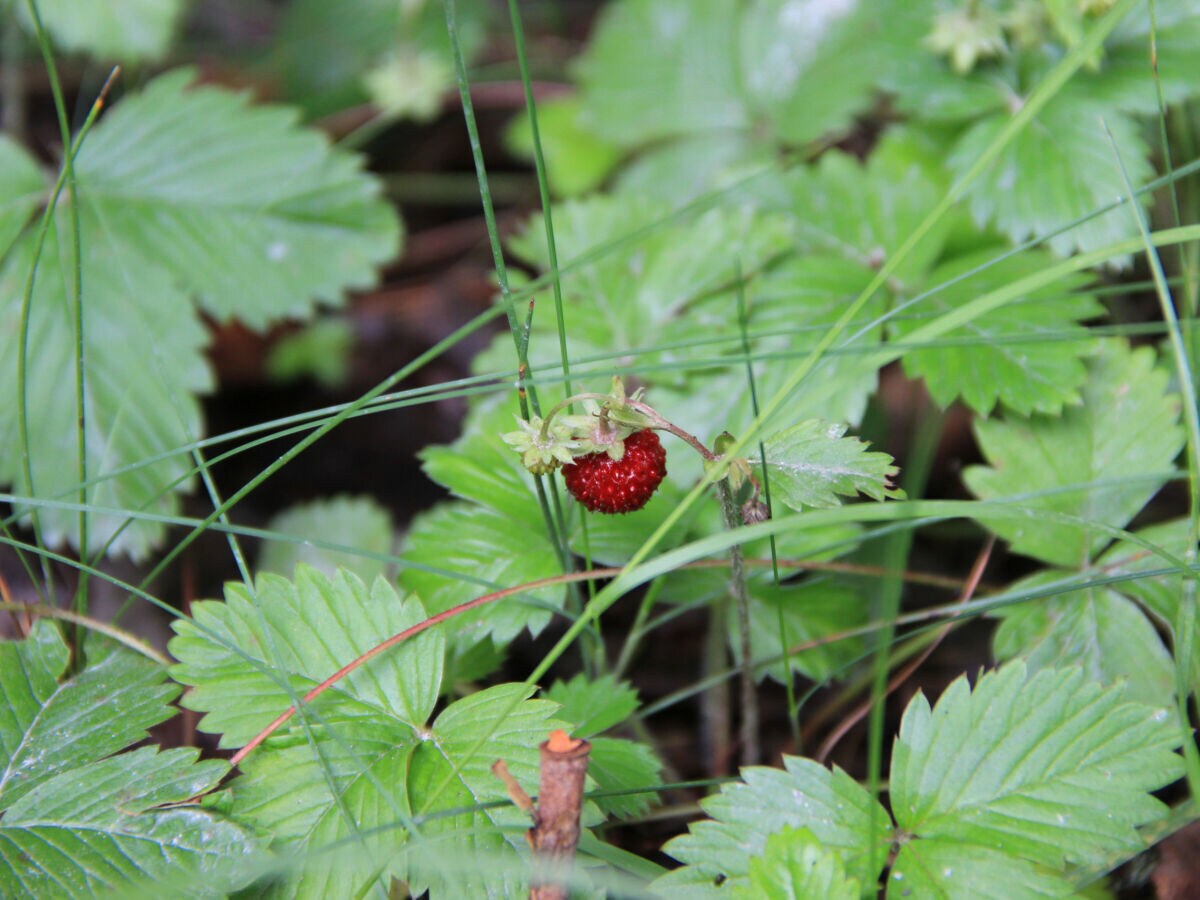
{"x": 784, "y": 640}
{"x": 893, "y": 557}
{"x": 748, "y": 734}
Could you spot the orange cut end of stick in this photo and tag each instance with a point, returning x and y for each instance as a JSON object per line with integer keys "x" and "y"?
{"x": 560, "y": 742}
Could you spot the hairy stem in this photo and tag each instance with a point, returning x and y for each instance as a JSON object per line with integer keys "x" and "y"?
{"x": 748, "y": 733}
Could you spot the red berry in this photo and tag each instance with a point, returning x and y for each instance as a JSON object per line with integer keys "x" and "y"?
{"x": 605, "y": 485}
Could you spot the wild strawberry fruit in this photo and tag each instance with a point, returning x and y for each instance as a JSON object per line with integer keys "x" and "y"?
{"x": 608, "y": 485}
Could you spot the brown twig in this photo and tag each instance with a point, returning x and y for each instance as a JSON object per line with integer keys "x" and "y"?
{"x": 555, "y": 832}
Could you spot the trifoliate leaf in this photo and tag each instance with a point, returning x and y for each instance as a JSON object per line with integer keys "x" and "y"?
{"x": 1049, "y": 767}
{"x": 344, "y": 803}
{"x": 235, "y": 654}
{"x": 782, "y": 617}
{"x": 1097, "y": 629}
{"x": 48, "y": 727}
{"x": 1089, "y": 462}
{"x": 1061, "y": 167}
{"x": 830, "y": 804}
{"x": 21, "y": 189}
{"x": 364, "y": 754}
{"x": 794, "y": 865}
{"x": 79, "y": 818}
{"x": 945, "y": 869}
{"x": 357, "y": 522}
{"x": 812, "y": 463}
{"x": 616, "y": 764}
{"x": 125, "y": 30}
{"x": 1027, "y": 355}
{"x": 255, "y": 217}
{"x": 594, "y": 705}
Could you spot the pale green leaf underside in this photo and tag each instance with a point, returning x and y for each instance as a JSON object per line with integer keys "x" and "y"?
{"x": 21, "y": 189}
{"x": 127, "y": 30}
{"x": 813, "y": 464}
{"x": 1088, "y": 463}
{"x": 1048, "y": 767}
{"x": 357, "y": 522}
{"x": 138, "y": 405}
{"x": 253, "y": 216}
{"x": 184, "y": 195}
{"x": 233, "y": 654}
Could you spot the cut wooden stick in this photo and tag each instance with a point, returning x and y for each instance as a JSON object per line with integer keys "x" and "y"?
{"x": 555, "y": 832}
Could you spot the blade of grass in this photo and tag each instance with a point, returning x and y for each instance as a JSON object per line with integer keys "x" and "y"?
{"x": 1185, "y": 622}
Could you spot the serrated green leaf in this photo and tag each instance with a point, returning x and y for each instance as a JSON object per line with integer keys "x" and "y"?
{"x": 593, "y": 705}
{"x": 805, "y": 612}
{"x": 1097, "y": 629}
{"x": 794, "y": 865}
{"x": 616, "y": 764}
{"x": 21, "y": 189}
{"x": 126, "y": 30}
{"x": 812, "y": 463}
{"x": 476, "y": 551}
{"x": 137, "y": 404}
{"x": 1059, "y": 169}
{"x": 1027, "y": 355}
{"x": 183, "y": 194}
{"x": 1089, "y": 462}
{"x": 79, "y": 818}
{"x": 862, "y": 213}
{"x": 253, "y": 216}
{"x": 101, "y": 828}
{"x": 354, "y": 521}
{"x": 945, "y": 869}
{"x": 790, "y": 308}
{"x": 1048, "y": 767}
{"x": 233, "y": 653}
{"x": 48, "y": 727}
{"x": 831, "y": 804}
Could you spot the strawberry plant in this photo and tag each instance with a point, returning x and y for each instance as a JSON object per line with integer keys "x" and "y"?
{"x": 824, "y": 475}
